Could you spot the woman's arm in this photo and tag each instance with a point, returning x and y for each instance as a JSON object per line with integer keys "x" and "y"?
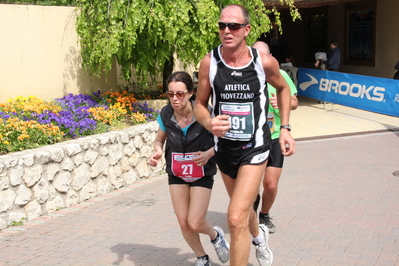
{"x": 158, "y": 147}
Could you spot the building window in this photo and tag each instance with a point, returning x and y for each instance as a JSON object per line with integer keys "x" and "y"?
{"x": 315, "y": 31}
{"x": 360, "y": 36}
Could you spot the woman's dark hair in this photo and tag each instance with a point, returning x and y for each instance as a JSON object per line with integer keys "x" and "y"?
{"x": 181, "y": 76}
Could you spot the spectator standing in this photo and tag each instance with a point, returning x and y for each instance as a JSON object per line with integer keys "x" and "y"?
{"x": 333, "y": 57}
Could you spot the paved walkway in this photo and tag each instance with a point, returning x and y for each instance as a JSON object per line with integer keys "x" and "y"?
{"x": 337, "y": 205}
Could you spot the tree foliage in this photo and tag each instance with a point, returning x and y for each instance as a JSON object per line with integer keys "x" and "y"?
{"x": 143, "y": 34}
{"x": 40, "y": 2}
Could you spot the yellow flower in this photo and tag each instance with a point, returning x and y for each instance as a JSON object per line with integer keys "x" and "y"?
{"x": 23, "y": 136}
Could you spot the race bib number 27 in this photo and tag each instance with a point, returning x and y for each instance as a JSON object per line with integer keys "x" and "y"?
{"x": 184, "y": 167}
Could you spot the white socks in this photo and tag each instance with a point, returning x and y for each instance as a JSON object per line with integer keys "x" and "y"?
{"x": 259, "y": 239}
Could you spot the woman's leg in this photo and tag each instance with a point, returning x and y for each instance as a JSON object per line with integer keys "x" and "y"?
{"x": 200, "y": 197}
{"x": 199, "y": 203}
{"x": 180, "y": 195}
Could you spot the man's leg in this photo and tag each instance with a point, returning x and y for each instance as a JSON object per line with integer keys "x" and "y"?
{"x": 270, "y": 186}
{"x": 241, "y": 216}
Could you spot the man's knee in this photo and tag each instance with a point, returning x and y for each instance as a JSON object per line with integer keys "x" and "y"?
{"x": 270, "y": 186}
{"x": 237, "y": 220}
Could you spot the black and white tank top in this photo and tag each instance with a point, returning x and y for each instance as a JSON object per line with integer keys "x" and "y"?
{"x": 240, "y": 92}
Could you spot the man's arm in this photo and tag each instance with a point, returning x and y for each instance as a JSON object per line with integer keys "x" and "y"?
{"x": 293, "y": 89}
{"x": 332, "y": 59}
{"x": 201, "y": 111}
{"x": 274, "y": 77}
{"x": 294, "y": 102}
{"x": 219, "y": 125}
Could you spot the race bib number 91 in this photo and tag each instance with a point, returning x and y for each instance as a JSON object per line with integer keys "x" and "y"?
{"x": 184, "y": 167}
{"x": 241, "y": 120}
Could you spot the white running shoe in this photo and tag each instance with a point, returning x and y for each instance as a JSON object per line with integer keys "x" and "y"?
{"x": 202, "y": 262}
{"x": 263, "y": 252}
{"x": 221, "y": 246}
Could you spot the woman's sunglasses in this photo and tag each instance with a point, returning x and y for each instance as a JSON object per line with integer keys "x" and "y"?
{"x": 231, "y": 26}
{"x": 179, "y": 94}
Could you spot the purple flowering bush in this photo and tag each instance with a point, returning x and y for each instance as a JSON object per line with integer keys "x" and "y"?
{"x": 29, "y": 122}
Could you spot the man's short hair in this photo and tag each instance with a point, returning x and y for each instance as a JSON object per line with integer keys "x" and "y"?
{"x": 244, "y": 11}
{"x": 335, "y": 42}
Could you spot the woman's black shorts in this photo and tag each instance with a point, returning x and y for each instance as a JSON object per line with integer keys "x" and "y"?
{"x": 206, "y": 181}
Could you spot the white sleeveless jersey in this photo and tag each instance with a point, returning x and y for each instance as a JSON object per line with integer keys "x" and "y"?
{"x": 240, "y": 92}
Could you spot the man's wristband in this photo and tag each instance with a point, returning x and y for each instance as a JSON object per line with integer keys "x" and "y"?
{"x": 288, "y": 127}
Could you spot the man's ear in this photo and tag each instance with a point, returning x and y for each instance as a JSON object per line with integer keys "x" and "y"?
{"x": 247, "y": 30}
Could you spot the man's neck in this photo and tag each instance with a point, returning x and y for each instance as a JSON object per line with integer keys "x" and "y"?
{"x": 234, "y": 57}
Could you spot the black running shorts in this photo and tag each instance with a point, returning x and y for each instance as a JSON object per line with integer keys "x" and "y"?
{"x": 206, "y": 181}
{"x": 229, "y": 163}
{"x": 276, "y": 158}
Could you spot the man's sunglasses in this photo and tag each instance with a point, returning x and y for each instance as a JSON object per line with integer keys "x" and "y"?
{"x": 179, "y": 94}
{"x": 231, "y": 26}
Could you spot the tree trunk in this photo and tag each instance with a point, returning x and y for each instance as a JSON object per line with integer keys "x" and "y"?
{"x": 167, "y": 71}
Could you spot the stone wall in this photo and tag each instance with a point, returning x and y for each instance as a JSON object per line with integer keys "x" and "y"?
{"x": 40, "y": 181}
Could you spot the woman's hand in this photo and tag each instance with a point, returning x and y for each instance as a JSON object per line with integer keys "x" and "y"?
{"x": 203, "y": 157}
{"x": 155, "y": 158}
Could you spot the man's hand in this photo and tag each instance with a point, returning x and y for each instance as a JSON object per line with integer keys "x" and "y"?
{"x": 273, "y": 101}
{"x": 287, "y": 143}
{"x": 220, "y": 125}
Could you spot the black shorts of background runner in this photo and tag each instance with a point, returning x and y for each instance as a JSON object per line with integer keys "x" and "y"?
{"x": 276, "y": 158}
{"x": 206, "y": 181}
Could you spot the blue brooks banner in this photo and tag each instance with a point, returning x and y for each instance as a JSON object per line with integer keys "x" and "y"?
{"x": 373, "y": 94}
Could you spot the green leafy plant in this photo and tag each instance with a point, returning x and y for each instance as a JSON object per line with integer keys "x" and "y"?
{"x": 144, "y": 35}
{"x": 41, "y": 2}
{"x": 147, "y": 94}
{"x": 18, "y": 223}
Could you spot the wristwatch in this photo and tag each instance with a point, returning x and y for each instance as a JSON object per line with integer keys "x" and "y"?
{"x": 288, "y": 127}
